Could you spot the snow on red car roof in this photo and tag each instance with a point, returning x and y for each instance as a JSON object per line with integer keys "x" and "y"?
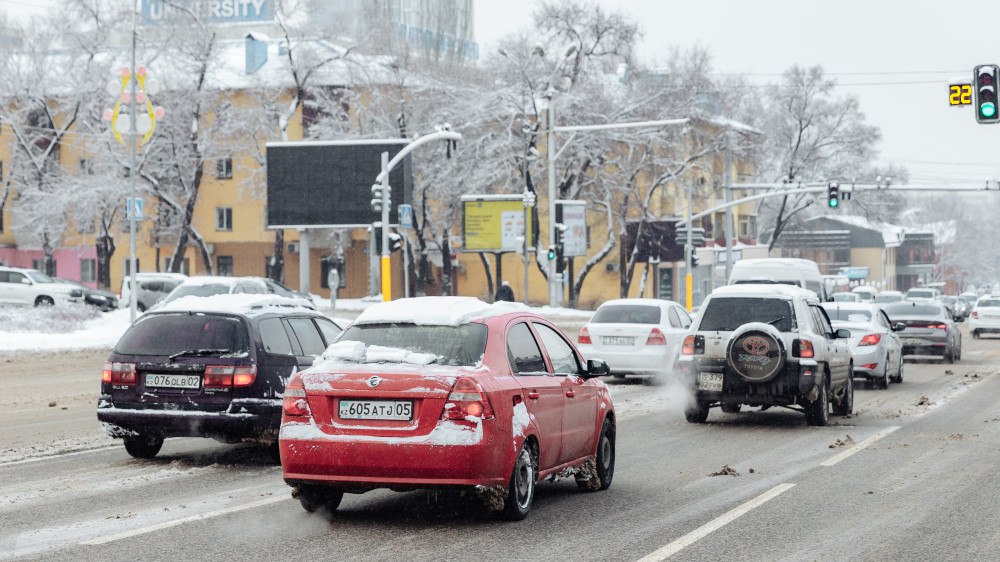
{"x": 435, "y": 311}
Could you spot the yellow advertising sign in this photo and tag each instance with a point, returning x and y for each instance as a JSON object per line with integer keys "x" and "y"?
{"x": 493, "y": 224}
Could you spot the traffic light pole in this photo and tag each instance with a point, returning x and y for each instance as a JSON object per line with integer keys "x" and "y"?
{"x": 382, "y": 183}
{"x": 386, "y": 269}
{"x": 688, "y": 249}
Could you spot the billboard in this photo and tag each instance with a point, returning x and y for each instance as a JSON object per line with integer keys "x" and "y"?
{"x": 573, "y": 214}
{"x": 155, "y": 12}
{"x": 323, "y": 184}
{"x": 493, "y": 223}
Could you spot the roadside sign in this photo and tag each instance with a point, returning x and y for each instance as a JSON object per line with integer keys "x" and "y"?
{"x": 493, "y": 223}
{"x": 406, "y": 216}
{"x": 133, "y": 204}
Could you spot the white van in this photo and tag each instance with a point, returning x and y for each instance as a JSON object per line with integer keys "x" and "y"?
{"x": 785, "y": 271}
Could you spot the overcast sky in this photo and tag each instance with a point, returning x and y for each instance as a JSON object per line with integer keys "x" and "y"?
{"x": 903, "y": 52}
{"x": 887, "y": 44}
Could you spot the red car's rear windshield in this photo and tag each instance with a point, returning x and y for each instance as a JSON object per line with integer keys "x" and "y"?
{"x": 167, "y": 334}
{"x": 454, "y": 345}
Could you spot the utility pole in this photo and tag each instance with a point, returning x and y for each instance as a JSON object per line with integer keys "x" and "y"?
{"x": 386, "y": 271}
{"x": 132, "y": 140}
{"x": 728, "y": 179}
{"x": 555, "y": 293}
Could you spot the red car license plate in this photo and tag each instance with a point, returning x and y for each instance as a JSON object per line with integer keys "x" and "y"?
{"x": 376, "y": 409}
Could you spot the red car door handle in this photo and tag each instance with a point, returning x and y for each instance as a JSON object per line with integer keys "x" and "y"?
{"x": 571, "y": 393}
{"x": 533, "y": 395}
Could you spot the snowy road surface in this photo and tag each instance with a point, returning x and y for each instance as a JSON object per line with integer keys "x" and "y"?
{"x": 911, "y": 476}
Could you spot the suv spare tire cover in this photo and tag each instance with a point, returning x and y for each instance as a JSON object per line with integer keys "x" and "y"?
{"x": 756, "y": 352}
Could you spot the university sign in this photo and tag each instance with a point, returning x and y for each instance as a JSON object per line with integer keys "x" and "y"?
{"x": 155, "y": 12}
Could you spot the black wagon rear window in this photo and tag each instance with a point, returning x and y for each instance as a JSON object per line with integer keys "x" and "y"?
{"x": 454, "y": 345}
{"x": 727, "y": 314}
{"x": 166, "y": 334}
{"x": 627, "y": 314}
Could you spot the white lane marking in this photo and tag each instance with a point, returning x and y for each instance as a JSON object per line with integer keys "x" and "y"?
{"x": 183, "y": 520}
{"x": 839, "y": 457}
{"x": 715, "y": 524}
{"x": 57, "y": 456}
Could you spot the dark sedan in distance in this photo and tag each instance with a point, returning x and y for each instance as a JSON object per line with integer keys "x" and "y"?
{"x": 104, "y": 300}
{"x": 930, "y": 329}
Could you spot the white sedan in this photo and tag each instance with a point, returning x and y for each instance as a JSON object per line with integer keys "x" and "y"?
{"x": 875, "y": 347}
{"x": 639, "y": 337}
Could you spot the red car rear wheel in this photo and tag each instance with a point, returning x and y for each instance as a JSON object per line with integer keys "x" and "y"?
{"x": 521, "y": 490}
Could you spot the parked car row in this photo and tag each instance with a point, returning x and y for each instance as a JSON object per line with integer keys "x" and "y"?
{"x": 155, "y": 289}
{"x": 33, "y": 288}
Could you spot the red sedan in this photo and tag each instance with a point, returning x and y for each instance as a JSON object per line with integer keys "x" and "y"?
{"x": 447, "y": 392}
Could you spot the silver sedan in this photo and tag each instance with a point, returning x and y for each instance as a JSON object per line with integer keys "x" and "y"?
{"x": 875, "y": 347}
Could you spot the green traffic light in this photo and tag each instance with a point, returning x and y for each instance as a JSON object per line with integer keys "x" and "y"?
{"x": 988, "y": 109}
{"x": 834, "y": 203}
{"x": 552, "y": 254}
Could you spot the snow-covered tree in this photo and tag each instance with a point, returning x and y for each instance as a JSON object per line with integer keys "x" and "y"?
{"x": 812, "y": 135}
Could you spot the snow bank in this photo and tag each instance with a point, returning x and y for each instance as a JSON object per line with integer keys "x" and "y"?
{"x": 49, "y": 330}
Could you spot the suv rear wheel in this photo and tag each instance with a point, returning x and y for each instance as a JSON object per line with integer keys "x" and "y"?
{"x": 143, "y": 446}
{"x": 818, "y": 411}
{"x": 696, "y": 412}
{"x": 44, "y": 301}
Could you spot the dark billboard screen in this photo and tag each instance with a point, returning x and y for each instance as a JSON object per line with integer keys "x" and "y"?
{"x": 328, "y": 183}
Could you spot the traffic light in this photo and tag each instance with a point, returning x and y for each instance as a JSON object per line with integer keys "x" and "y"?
{"x": 833, "y": 195}
{"x": 552, "y": 253}
{"x": 378, "y": 197}
{"x": 694, "y": 257}
{"x": 986, "y": 77}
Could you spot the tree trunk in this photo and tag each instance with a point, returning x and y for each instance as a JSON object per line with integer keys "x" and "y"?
{"x": 628, "y": 269}
{"x": 446, "y": 273}
{"x": 105, "y": 248}
{"x": 276, "y": 268}
{"x": 489, "y": 277}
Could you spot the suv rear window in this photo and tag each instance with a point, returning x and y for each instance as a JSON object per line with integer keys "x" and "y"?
{"x": 166, "y": 334}
{"x": 627, "y": 314}
{"x": 989, "y": 302}
{"x": 727, "y": 314}
{"x": 455, "y": 345}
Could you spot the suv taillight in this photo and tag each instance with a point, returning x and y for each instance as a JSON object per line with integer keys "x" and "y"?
{"x": 120, "y": 373}
{"x": 467, "y": 398}
{"x": 656, "y": 337}
{"x": 584, "y": 336}
{"x": 693, "y": 345}
{"x": 803, "y": 348}
{"x": 870, "y": 339}
{"x": 219, "y": 376}
{"x": 975, "y": 314}
{"x": 294, "y": 403}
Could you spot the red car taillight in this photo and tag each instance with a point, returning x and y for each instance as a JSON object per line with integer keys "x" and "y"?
{"x": 584, "y": 336}
{"x": 294, "y": 403}
{"x": 219, "y": 376}
{"x": 120, "y": 373}
{"x": 656, "y": 337}
{"x": 804, "y": 349}
{"x": 870, "y": 339}
{"x": 467, "y": 398}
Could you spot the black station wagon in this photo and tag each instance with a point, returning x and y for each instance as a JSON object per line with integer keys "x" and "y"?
{"x": 208, "y": 367}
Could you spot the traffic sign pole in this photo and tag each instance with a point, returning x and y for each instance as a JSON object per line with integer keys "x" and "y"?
{"x": 386, "y": 269}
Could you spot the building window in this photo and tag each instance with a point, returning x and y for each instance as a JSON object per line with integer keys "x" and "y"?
{"x": 39, "y": 264}
{"x": 88, "y": 270}
{"x": 223, "y": 218}
{"x": 86, "y": 166}
{"x": 748, "y": 227}
{"x": 224, "y": 168}
{"x": 185, "y": 265}
{"x": 224, "y": 265}
{"x": 125, "y": 265}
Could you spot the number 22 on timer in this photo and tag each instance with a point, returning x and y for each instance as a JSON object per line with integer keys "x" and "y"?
{"x": 960, "y": 94}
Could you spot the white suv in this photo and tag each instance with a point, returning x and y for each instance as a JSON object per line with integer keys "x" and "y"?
{"x": 32, "y": 287}
{"x": 985, "y": 316}
{"x": 767, "y": 345}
